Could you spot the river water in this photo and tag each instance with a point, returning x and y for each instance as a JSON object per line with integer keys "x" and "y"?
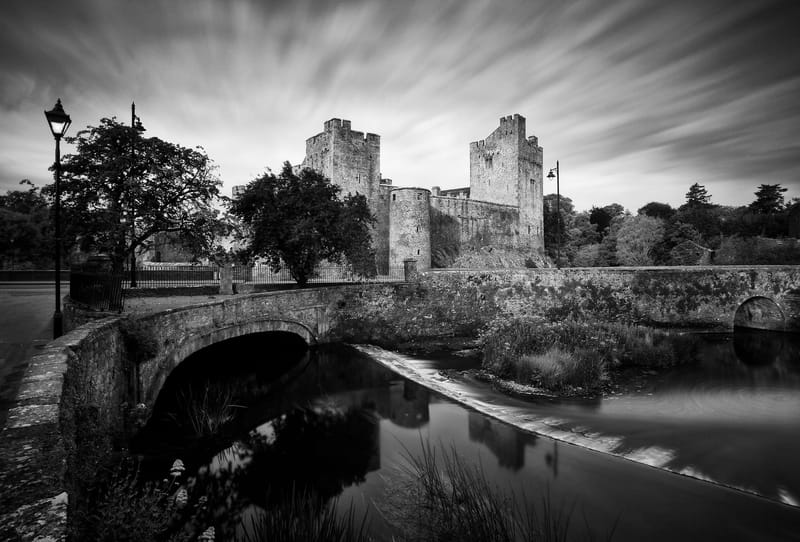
{"x": 705, "y": 451}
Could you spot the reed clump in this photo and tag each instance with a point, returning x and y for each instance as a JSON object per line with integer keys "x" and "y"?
{"x": 572, "y": 354}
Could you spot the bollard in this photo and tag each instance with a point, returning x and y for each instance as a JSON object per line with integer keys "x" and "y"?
{"x": 410, "y": 273}
{"x": 226, "y": 280}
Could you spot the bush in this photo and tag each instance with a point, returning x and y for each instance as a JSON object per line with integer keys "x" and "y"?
{"x": 557, "y": 355}
{"x": 557, "y": 369}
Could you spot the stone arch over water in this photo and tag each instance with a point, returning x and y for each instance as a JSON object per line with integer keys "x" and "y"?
{"x": 759, "y": 312}
{"x": 152, "y": 377}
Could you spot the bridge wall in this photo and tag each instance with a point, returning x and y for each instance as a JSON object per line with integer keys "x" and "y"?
{"x": 447, "y": 302}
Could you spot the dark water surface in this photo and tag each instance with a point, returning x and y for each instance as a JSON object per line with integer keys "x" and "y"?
{"x": 336, "y": 421}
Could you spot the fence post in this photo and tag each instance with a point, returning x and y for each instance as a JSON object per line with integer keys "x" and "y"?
{"x": 226, "y": 280}
{"x": 410, "y": 273}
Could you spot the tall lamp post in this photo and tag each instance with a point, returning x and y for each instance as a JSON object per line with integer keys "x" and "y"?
{"x": 557, "y": 176}
{"x": 136, "y": 124}
{"x": 58, "y": 121}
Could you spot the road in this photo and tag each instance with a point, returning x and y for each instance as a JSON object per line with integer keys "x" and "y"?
{"x": 26, "y": 322}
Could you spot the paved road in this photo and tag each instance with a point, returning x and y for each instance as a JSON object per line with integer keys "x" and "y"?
{"x": 26, "y": 321}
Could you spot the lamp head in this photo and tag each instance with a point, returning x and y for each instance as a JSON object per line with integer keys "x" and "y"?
{"x": 551, "y": 175}
{"x": 58, "y": 120}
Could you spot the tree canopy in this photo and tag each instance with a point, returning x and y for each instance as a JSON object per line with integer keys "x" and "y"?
{"x": 602, "y": 216}
{"x": 299, "y": 220}
{"x": 657, "y": 210}
{"x": 119, "y": 189}
{"x": 26, "y": 238}
{"x": 697, "y": 196}
{"x": 769, "y": 199}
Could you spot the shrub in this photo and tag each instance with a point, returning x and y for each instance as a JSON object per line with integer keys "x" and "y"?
{"x": 570, "y": 353}
{"x": 557, "y": 369}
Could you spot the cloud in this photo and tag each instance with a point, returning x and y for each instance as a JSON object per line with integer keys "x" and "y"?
{"x": 626, "y": 93}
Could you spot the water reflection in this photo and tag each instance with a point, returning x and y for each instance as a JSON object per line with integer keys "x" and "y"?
{"x": 334, "y": 423}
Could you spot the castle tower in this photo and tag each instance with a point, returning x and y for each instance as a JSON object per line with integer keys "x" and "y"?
{"x": 352, "y": 160}
{"x": 410, "y": 226}
{"x": 506, "y": 168}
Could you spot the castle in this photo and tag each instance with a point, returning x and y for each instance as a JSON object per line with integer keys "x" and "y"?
{"x": 501, "y": 208}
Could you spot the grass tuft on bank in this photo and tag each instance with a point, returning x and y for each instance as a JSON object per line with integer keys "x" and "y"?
{"x": 571, "y": 354}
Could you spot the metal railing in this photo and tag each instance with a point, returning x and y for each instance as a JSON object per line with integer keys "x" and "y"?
{"x": 99, "y": 291}
{"x": 173, "y": 276}
{"x": 178, "y": 276}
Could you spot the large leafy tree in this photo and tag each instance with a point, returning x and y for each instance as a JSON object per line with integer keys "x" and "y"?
{"x": 120, "y": 189}
{"x": 299, "y": 220}
{"x": 636, "y": 239}
{"x": 602, "y": 217}
{"x": 657, "y": 210}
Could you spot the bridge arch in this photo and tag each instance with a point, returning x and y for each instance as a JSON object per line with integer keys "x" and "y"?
{"x": 760, "y": 312}
{"x": 151, "y": 381}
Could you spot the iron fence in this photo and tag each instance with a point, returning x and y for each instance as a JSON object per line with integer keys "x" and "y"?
{"x": 263, "y": 274}
{"x": 99, "y": 291}
{"x": 171, "y": 276}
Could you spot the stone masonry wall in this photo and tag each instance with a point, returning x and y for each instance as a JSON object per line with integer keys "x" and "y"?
{"x": 457, "y": 302}
{"x": 73, "y": 395}
{"x": 459, "y": 225}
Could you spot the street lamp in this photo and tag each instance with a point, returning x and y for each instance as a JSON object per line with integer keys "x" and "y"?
{"x": 557, "y": 176}
{"x": 58, "y": 121}
{"x": 136, "y": 124}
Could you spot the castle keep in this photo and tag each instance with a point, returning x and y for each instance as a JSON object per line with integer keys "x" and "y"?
{"x": 501, "y": 208}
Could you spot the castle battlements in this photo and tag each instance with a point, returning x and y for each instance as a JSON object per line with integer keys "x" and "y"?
{"x": 343, "y": 129}
{"x": 501, "y": 207}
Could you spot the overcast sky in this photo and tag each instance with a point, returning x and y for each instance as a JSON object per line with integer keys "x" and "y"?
{"x": 638, "y": 99}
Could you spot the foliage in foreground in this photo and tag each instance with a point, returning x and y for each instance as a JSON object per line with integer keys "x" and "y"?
{"x": 445, "y": 498}
{"x": 299, "y": 221}
{"x": 560, "y": 355}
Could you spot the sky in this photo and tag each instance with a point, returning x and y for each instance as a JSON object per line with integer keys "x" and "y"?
{"x": 636, "y": 99}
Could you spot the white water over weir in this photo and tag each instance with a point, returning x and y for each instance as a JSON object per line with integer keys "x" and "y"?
{"x": 542, "y": 421}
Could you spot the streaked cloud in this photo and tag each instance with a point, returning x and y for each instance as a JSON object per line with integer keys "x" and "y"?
{"x": 637, "y": 99}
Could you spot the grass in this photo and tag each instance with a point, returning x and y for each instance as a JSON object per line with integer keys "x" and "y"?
{"x": 206, "y": 412}
{"x": 570, "y": 354}
{"x": 303, "y": 516}
{"x": 444, "y": 498}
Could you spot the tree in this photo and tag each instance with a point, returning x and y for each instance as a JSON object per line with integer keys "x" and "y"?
{"x": 657, "y": 210}
{"x": 555, "y": 231}
{"x": 603, "y": 216}
{"x": 120, "y": 189}
{"x": 636, "y": 239}
{"x": 769, "y": 199}
{"x": 25, "y": 234}
{"x": 299, "y": 221}
{"x": 697, "y": 196}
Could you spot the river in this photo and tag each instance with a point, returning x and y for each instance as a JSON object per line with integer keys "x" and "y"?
{"x": 705, "y": 451}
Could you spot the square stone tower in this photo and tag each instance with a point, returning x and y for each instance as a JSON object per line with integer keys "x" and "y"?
{"x": 506, "y": 168}
{"x": 352, "y": 160}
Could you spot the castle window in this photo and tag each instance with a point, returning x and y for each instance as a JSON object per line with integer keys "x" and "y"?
{"x": 417, "y": 252}
{"x": 419, "y": 196}
{"x": 529, "y": 230}
{"x": 417, "y": 229}
{"x": 394, "y": 197}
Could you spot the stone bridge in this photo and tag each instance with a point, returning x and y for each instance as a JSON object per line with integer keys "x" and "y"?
{"x": 451, "y": 302}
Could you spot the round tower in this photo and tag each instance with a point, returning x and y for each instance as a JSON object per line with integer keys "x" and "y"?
{"x": 410, "y": 226}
